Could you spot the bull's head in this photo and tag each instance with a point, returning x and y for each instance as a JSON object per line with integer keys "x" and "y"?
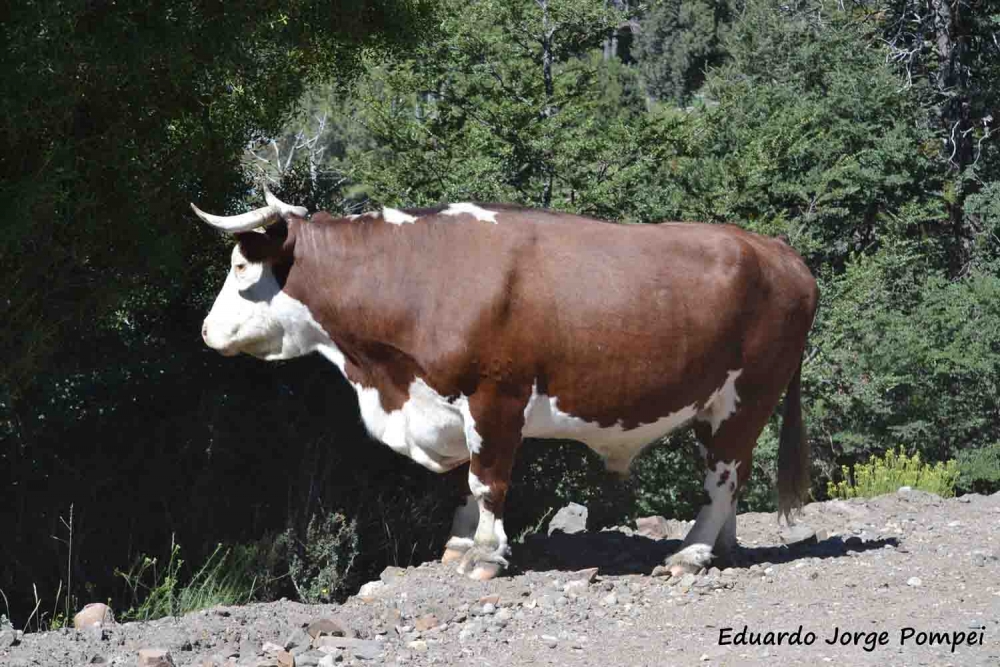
{"x": 251, "y": 314}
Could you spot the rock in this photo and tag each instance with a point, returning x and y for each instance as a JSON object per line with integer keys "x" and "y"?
{"x": 586, "y": 575}
{"x": 798, "y": 534}
{"x": 653, "y": 527}
{"x": 155, "y": 657}
{"x": 661, "y": 571}
{"x": 359, "y": 648}
{"x": 329, "y": 626}
{"x": 489, "y": 608}
{"x": 570, "y": 519}
{"x": 914, "y": 581}
{"x": 370, "y": 589}
{"x": 418, "y": 645}
{"x": 549, "y": 641}
{"x": 331, "y": 659}
{"x": 490, "y": 599}
{"x": 285, "y": 659}
{"x": 95, "y": 613}
{"x": 8, "y": 638}
{"x": 609, "y": 600}
{"x": 309, "y": 659}
{"x": 426, "y": 622}
{"x": 392, "y": 573}
{"x": 904, "y": 489}
{"x": 271, "y": 647}
{"x": 299, "y": 639}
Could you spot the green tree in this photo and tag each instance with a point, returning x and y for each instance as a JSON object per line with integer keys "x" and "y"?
{"x": 509, "y": 105}
{"x": 116, "y": 115}
{"x": 679, "y": 41}
{"x": 949, "y": 53}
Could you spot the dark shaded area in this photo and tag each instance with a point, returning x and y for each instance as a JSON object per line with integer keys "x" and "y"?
{"x": 616, "y": 553}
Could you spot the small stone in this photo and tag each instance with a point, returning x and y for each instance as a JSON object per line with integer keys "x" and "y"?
{"x": 331, "y": 659}
{"x": 285, "y": 659}
{"x": 328, "y": 626}
{"x": 490, "y": 599}
{"x": 704, "y": 657}
{"x": 586, "y": 575}
{"x": 418, "y": 645}
{"x": 904, "y": 489}
{"x": 570, "y": 519}
{"x": 426, "y": 622}
{"x": 798, "y": 534}
{"x": 549, "y": 641}
{"x": 489, "y": 608}
{"x": 661, "y": 571}
{"x": 298, "y": 639}
{"x": 609, "y": 600}
{"x": 95, "y": 613}
{"x": 914, "y": 581}
{"x": 271, "y": 647}
{"x": 155, "y": 657}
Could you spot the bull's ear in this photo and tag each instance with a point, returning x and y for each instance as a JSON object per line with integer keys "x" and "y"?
{"x": 259, "y": 248}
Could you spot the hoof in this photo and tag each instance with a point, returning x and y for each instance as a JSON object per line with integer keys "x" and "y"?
{"x": 690, "y": 560}
{"x": 485, "y": 571}
{"x": 480, "y": 564}
{"x": 680, "y": 569}
{"x": 452, "y": 556}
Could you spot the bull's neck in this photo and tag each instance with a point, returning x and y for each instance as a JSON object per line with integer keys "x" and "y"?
{"x": 351, "y": 279}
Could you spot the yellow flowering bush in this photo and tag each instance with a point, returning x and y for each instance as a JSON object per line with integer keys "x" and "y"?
{"x": 886, "y": 474}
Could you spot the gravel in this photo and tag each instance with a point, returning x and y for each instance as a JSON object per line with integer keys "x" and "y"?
{"x": 867, "y": 580}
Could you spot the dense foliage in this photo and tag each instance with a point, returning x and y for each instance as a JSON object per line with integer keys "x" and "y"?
{"x": 862, "y": 131}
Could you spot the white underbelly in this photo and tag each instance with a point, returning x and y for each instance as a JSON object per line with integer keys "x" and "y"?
{"x": 427, "y": 428}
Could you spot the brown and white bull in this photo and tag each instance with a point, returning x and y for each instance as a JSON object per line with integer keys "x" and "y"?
{"x": 466, "y": 328}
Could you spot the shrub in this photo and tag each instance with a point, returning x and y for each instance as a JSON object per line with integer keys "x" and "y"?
{"x": 979, "y": 469}
{"x": 886, "y": 474}
{"x": 320, "y": 564}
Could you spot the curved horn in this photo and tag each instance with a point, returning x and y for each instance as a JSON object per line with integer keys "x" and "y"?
{"x": 243, "y": 222}
{"x": 282, "y": 207}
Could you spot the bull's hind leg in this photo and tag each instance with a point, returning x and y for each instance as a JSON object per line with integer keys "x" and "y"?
{"x": 716, "y": 522}
{"x": 728, "y": 428}
{"x": 493, "y": 419}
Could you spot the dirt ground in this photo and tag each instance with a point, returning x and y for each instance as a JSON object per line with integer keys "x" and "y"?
{"x": 905, "y": 579}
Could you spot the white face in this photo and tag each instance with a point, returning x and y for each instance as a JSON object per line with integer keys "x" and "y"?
{"x": 242, "y": 318}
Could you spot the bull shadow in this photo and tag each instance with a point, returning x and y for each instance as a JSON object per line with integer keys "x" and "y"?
{"x": 615, "y": 553}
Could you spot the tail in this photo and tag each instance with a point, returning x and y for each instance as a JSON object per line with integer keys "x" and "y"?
{"x": 793, "y": 452}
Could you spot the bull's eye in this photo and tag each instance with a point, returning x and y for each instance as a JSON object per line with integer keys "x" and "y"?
{"x": 240, "y": 268}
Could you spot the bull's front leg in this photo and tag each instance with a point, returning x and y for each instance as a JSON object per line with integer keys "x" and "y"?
{"x": 493, "y": 419}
